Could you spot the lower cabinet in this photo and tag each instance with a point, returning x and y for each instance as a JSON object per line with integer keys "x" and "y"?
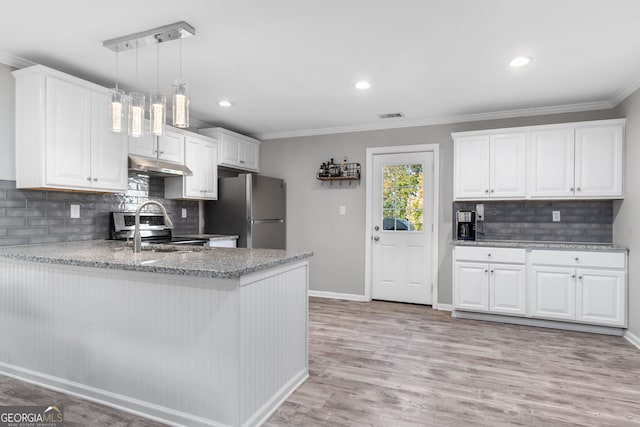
{"x": 573, "y": 286}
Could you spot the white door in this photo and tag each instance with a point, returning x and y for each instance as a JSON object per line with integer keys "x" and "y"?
{"x": 552, "y": 163}
{"x": 507, "y": 166}
{"x": 471, "y": 286}
{"x": 600, "y": 297}
{"x": 507, "y": 287}
{"x": 599, "y": 161}
{"x": 553, "y": 292}
{"x": 402, "y": 221}
{"x": 472, "y": 167}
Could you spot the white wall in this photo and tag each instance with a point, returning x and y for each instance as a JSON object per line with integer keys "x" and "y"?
{"x": 7, "y": 124}
{"x": 339, "y": 241}
{"x": 626, "y": 212}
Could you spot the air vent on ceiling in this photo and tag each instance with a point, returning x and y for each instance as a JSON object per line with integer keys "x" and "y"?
{"x": 390, "y": 115}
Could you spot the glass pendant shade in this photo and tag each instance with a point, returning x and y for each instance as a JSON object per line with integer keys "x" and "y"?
{"x": 136, "y": 114}
{"x": 117, "y": 108}
{"x": 157, "y": 113}
{"x": 180, "y": 105}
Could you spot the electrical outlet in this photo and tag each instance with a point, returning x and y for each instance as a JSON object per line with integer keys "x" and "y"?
{"x": 343, "y": 210}
{"x": 184, "y": 212}
{"x": 480, "y": 212}
{"x": 75, "y": 211}
{"x": 555, "y": 215}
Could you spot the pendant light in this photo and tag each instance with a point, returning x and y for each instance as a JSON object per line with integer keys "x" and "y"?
{"x": 136, "y": 109}
{"x": 180, "y": 99}
{"x": 117, "y": 105}
{"x": 157, "y": 106}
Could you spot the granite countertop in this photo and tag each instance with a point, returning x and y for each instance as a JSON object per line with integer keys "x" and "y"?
{"x": 541, "y": 245}
{"x": 168, "y": 259}
{"x": 208, "y": 236}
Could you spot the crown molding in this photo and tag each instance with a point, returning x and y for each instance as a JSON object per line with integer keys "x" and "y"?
{"x": 400, "y": 123}
{"x": 624, "y": 93}
{"x": 14, "y": 61}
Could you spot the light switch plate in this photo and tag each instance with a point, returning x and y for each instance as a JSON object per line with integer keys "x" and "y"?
{"x": 555, "y": 216}
{"x": 480, "y": 212}
{"x": 184, "y": 212}
{"x": 343, "y": 210}
{"x": 75, "y": 211}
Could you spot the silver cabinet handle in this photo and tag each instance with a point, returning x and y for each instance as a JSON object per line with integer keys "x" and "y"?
{"x": 88, "y": 178}
{"x": 489, "y": 254}
{"x": 486, "y": 271}
{"x": 492, "y": 190}
{"x": 571, "y": 189}
{"x": 241, "y": 161}
{"x": 573, "y": 276}
{"x": 95, "y": 179}
{"x": 580, "y": 277}
{"x": 577, "y": 259}
{"x": 491, "y": 271}
{"x": 486, "y": 191}
{"x": 579, "y": 189}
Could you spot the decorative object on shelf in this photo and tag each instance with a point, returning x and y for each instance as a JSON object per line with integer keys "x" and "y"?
{"x": 344, "y": 171}
{"x": 176, "y": 31}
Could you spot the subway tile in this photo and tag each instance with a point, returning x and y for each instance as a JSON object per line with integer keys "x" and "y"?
{"x": 45, "y": 204}
{"x": 45, "y": 239}
{"x": 3, "y": 194}
{"x": 12, "y": 222}
{"x": 79, "y": 221}
{"x": 33, "y": 231}
{"x": 35, "y": 222}
{"x": 69, "y": 229}
{"x": 25, "y": 212}
{"x": 57, "y": 213}
{"x": 13, "y": 241}
{"x": 3, "y": 231}
{"x": 26, "y": 194}
{"x": 3, "y": 212}
{"x": 13, "y": 203}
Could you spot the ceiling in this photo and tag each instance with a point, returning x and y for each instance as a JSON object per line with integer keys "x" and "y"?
{"x": 289, "y": 65}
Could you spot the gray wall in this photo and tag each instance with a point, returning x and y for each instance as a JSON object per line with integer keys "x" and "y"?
{"x": 313, "y": 206}
{"x": 580, "y": 220}
{"x": 626, "y": 213}
{"x": 7, "y": 124}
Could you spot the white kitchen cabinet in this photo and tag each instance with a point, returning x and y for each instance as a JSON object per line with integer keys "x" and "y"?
{"x": 62, "y": 135}
{"x": 599, "y": 161}
{"x": 201, "y": 156}
{"x": 551, "y": 157}
{"x": 490, "y": 166}
{"x": 498, "y": 286}
{"x": 168, "y": 147}
{"x": 236, "y": 151}
{"x": 578, "y": 286}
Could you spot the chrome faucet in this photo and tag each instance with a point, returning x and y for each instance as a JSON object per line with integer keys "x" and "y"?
{"x": 137, "y": 238}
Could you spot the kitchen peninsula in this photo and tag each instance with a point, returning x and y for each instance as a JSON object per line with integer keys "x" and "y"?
{"x": 189, "y": 336}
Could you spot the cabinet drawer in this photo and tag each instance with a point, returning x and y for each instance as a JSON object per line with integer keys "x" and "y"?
{"x": 578, "y": 259}
{"x": 485, "y": 254}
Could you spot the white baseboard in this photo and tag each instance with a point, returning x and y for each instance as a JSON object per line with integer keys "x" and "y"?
{"x": 633, "y": 339}
{"x": 443, "y": 307}
{"x": 336, "y": 295}
{"x": 263, "y": 414}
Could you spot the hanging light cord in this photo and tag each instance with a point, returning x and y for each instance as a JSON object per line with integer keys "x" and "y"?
{"x": 158, "y": 71}
{"x": 117, "y": 78}
{"x": 180, "y": 58}
{"x": 137, "y": 51}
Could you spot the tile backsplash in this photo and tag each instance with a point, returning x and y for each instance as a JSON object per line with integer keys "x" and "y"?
{"x": 580, "y": 220}
{"x": 33, "y": 216}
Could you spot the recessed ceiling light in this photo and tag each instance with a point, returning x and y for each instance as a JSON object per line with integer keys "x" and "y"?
{"x": 225, "y": 103}
{"x": 519, "y": 61}
{"x": 362, "y": 85}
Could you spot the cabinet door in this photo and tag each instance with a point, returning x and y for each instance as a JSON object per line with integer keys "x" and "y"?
{"x": 144, "y": 146}
{"x": 552, "y": 293}
{"x": 108, "y": 150}
{"x": 507, "y": 289}
{"x": 230, "y": 150}
{"x": 210, "y": 170}
{"x": 171, "y": 147}
{"x": 471, "y": 286}
{"x": 472, "y": 167}
{"x": 193, "y": 160}
{"x": 601, "y": 296}
{"x": 507, "y": 166}
{"x": 599, "y": 161}
{"x": 249, "y": 155}
{"x": 68, "y": 134}
{"x": 552, "y": 163}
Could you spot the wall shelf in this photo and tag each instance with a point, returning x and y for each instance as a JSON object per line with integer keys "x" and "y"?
{"x": 344, "y": 172}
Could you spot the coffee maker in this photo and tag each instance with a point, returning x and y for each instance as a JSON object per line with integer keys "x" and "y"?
{"x": 466, "y": 225}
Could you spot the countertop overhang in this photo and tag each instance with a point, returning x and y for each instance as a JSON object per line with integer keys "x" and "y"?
{"x": 186, "y": 261}
{"x": 541, "y": 245}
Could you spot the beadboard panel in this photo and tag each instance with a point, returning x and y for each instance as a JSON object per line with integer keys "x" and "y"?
{"x": 190, "y": 351}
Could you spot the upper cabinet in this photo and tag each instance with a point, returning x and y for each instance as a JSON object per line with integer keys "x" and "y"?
{"x": 62, "y": 135}
{"x": 201, "y": 156}
{"x": 169, "y": 146}
{"x": 236, "y": 151}
{"x": 490, "y": 166}
{"x": 567, "y": 161}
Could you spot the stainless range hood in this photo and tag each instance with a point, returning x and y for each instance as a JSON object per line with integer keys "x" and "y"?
{"x": 157, "y": 167}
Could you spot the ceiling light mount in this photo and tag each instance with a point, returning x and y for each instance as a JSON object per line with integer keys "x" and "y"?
{"x": 167, "y": 33}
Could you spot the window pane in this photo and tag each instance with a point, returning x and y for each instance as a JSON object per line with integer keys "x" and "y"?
{"x": 402, "y": 197}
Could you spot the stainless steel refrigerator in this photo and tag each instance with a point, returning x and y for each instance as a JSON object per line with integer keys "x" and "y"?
{"x": 252, "y": 207}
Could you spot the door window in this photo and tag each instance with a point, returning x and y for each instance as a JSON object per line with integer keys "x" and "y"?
{"x": 402, "y": 197}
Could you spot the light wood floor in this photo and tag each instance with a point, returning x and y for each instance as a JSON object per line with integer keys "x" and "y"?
{"x": 395, "y": 365}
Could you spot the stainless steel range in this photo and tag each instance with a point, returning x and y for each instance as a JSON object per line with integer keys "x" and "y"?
{"x": 152, "y": 229}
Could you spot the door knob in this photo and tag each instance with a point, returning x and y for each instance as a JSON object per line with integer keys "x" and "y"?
{"x": 376, "y": 228}
{"x": 376, "y": 238}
